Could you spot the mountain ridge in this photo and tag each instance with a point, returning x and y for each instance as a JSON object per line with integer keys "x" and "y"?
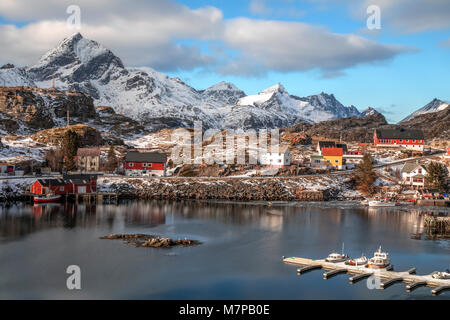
{"x": 157, "y": 101}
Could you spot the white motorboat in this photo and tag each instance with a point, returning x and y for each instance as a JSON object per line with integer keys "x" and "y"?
{"x": 379, "y": 260}
{"x": 442, "y": 275}
{"x": 337, "y": 257}
{"x": 381, "y": 203}
{"x": 361, "y": 261}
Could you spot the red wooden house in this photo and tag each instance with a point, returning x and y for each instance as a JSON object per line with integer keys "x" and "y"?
{"x": 138, "y": 163}
{"x": 400, "y": 138}
{"x": 69, "y": 184}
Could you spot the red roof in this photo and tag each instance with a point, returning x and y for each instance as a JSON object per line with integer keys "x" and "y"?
{"x": 332, "y": 151}
{"x": 448, "y": 151}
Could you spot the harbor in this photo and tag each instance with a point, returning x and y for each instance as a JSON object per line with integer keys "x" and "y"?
{"x": 387, "y": 276}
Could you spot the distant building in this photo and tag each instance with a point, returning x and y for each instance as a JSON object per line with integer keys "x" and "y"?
{"x": 280, "y": 158}
{"x": 6, "y": 169}
{"x": 413, "y": 174}
{"x": 138, "y": 163}
{"x": 317, "y": 161}
{"x": 88, "y": 159}
{"x": 352, "y": 158}
{"x": 333, "y": 157}
{"x": 411, "y": 139}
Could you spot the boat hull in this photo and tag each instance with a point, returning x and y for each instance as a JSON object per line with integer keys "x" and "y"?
{"x": 382, "y": 205}
{"x": 354, "y": 263}
{"x": 47, "y": 199}
{"x": 377, "y": 266}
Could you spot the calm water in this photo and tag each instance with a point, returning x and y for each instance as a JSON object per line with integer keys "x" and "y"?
{"x": 240, "y": 257}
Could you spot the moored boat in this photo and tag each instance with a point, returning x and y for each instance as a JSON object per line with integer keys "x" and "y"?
{"x": 381, "y": 203}
{"x": 47, "y": 198}
{"x": 442, "y": 275}
{"x": 337, "y": 257}
{"x": 379, "y": 260}
{"x": 361, "y": 261}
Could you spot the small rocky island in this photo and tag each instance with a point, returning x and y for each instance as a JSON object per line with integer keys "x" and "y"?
{"x": 148, "y": 240}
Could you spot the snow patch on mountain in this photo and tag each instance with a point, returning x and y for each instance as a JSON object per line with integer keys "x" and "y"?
{"x": 14, "y": 77}
{"x": 434, "y": 106}
{"x": 158, "y": 101}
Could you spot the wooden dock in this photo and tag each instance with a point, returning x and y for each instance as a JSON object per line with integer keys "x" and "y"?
{"x": 386, "y": 277}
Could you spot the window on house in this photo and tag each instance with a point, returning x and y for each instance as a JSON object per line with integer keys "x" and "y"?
{"x": 61, "y": 188}
{"x": 130, "y": 164}
{"x": 420, "y": 170}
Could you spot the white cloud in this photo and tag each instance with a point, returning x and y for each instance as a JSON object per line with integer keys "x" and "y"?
{"x": 167, "y": 36}
{"x": 295, "y": 46}
{"x": 409, "y": 16}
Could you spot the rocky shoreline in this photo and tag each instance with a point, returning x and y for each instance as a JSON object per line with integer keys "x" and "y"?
{"x": 151, "y": 241}
{"x": 323, "y": 188}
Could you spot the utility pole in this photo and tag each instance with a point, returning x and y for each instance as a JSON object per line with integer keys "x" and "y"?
{"x": 68, "y": 116}
{"x": 53, "y": 81}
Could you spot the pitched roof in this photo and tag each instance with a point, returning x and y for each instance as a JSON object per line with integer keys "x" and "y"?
{"x": 136, "y": 156}
{"x": 84, "y": 152}
{"x": 399, "y": 133}
{"x": 410, "y": 166}
{"x": 326, "y": 144}
{"x": 51, "y": 182}
{"x": 332, "y": 152}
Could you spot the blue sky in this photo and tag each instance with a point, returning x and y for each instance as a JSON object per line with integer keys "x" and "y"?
{"x": 397, "y": 86}
{"x": 312, "y": 46}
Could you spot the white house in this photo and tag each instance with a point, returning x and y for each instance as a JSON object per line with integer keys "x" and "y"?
{"x": 413, "y": 174}
{"x": 275, "y": 158}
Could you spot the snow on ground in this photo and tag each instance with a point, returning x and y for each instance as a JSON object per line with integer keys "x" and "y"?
{"x": 22, "y": 148}
{"x": 14, "y": 187}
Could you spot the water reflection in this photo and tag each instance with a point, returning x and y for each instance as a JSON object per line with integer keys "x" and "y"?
{"x": 21, "y": 219}
{"x": 240, "y": 257}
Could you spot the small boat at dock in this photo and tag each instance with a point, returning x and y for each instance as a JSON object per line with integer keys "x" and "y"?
{"x": 379, "y": 260}
{"x": 337, "y": 257}
{"x": 381, "y": 203}
{"x": 442, "y": 275}
{"x": 47, "y": 198}
{"x": 361, "y": 261}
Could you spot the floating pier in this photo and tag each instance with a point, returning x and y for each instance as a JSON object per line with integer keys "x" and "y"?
{"x": 387, "y": 277}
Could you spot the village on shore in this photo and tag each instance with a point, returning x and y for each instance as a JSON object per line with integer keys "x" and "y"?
{"x": 300, "y": 168}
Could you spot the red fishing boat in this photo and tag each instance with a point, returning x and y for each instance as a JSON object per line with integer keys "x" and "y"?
{"x": 45, "y": 198}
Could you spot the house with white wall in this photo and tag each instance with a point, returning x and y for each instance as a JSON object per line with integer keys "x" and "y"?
{"x": 413, "y": 174}
{"x": 277, "y": 158}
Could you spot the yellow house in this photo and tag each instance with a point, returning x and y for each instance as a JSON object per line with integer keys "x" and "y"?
{"x": 333, "y": 157}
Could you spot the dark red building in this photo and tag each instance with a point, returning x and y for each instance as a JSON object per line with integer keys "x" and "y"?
{"x": 411, "y": 139}
{"x": 138, "y": 163}
{"x": 69, "y": 184}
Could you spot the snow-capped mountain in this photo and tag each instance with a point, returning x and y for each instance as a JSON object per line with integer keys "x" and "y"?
{"x": 369, "y": 111}
{"x": 434, "y": 106}
{"x": 157, "y": 101}
{"x": 12, "y": 76}
{"x": 313, "y": 108}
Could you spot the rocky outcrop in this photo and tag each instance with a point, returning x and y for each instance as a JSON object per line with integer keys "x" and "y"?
{"x": 88, "y": 136}
{"x": 356, "y": 129}
{"x": 116, "y": 123}
{"x": 151, "y": 241}
{"x": 45, "y": 108}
